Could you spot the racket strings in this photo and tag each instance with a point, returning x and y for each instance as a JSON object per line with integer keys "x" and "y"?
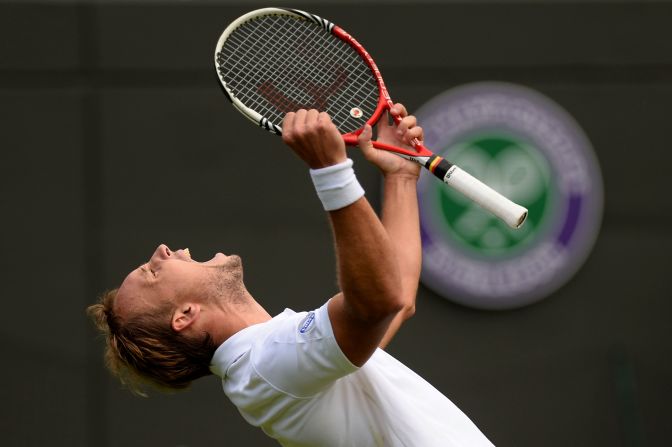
{"x": 259, "y": 79}
{"x": 276, "y": 64}
{"x": 297, "y": 85}
{"x": 275, "y": 56}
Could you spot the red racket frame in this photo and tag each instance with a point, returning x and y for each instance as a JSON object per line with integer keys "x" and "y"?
{"x": 384, "y": 103}
{"x": 471, "y": 187}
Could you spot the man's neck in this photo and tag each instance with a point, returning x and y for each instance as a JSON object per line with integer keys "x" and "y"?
{"x": 233, "y": 318}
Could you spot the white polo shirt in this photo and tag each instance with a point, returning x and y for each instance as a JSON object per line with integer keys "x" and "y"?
{"x": 289, "y": 377}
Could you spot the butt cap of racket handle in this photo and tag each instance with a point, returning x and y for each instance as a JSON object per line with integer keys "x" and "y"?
{"x": 513, "y": 214}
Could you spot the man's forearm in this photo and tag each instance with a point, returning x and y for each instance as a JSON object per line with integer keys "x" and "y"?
{"x": 400, "y": 218}
{"x": 370, "y": 297}
{"x": 368, "y": 271}
{"x": 401, "y": 221}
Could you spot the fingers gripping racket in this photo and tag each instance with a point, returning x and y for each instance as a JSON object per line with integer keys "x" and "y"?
{"x": 273, "y": 61}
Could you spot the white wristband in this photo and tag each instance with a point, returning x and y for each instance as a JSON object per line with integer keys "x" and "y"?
{"x": 336, "y": 185}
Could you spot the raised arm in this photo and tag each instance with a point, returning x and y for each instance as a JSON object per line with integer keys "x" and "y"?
{"x": 368, "y": 271}
{"x": 400, "y": 207}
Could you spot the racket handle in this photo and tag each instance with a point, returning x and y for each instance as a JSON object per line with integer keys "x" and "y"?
{"x": 511, "y": 213}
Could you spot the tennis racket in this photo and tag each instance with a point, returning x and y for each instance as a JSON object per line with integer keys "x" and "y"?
{"x": 273, "y": 61}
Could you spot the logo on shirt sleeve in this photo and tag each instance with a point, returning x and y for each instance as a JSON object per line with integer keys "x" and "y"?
{"x": 308, "y": 323}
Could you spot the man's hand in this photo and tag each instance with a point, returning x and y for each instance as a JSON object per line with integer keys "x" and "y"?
{"x": 400, "y": 135}
{"x": 314, "y": 138}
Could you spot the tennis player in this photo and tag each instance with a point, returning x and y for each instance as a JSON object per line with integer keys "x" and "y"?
{"x": 319, "y": 378}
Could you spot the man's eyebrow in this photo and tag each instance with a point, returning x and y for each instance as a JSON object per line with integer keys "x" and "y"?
{"x": 145, "y": 273}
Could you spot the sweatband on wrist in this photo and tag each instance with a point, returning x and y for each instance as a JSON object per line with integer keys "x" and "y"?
{"x": 336, "y": 185}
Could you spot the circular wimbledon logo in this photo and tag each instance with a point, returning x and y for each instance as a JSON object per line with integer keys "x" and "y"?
{"x": 532, "y": 151}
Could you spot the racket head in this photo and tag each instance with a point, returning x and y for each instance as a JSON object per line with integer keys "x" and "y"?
{"x": 272, "y": 61}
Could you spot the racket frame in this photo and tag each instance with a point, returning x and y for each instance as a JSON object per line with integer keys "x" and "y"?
{"x": 250, "y": 114}
{"x": 384, "y": 103}
{"x": 511, "y": 213}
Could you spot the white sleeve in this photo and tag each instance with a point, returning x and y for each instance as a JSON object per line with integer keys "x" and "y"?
{"x": 300, "y": 356}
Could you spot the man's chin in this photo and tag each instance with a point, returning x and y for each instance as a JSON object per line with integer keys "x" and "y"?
{"x": 233, "y": 260}
{"x": 222, "y": 259}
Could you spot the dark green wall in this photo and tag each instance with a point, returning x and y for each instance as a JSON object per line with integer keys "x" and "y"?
{"x": 115, "y": 137}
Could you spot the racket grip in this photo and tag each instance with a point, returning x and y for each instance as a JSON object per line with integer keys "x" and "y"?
{"x": 513, "y": 214}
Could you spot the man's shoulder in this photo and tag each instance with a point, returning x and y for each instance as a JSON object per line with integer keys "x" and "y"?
{"x": 282, "y": 327}
{"x": 299, "y": 354}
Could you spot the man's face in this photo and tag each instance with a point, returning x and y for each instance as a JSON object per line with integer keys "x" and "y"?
{"x": 172, "y": 277}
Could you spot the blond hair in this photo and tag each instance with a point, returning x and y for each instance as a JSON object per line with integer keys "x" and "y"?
{"x": 145, "y": 350}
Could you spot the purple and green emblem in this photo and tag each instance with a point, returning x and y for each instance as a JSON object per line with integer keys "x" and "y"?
{"x": 532, "y": 151}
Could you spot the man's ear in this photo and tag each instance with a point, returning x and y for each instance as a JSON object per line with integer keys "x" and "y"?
{"x": 185, "y": 315}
